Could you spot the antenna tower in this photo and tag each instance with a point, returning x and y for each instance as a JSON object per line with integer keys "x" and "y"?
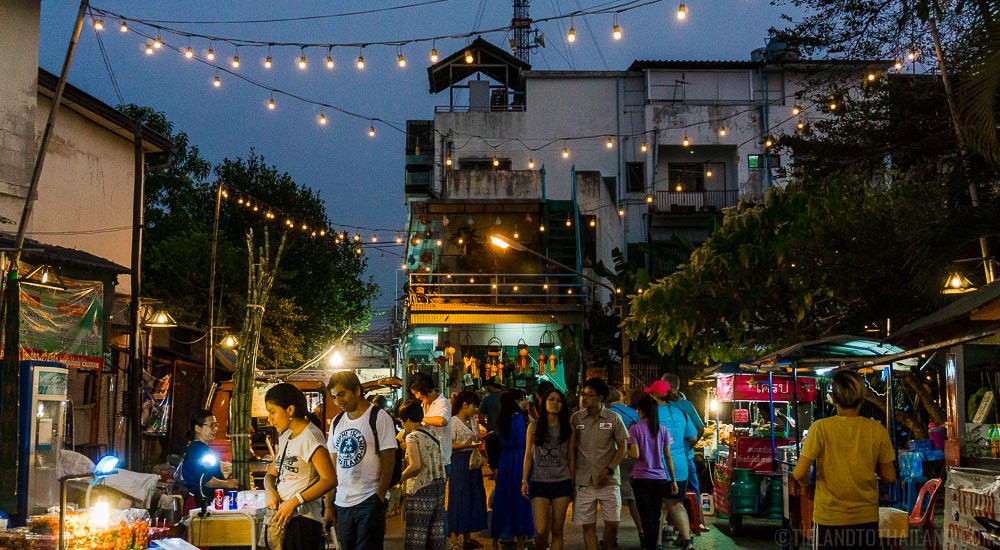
{"x": 520, "y": 27}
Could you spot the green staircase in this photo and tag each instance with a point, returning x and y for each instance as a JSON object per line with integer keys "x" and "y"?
{"x": 560, "y": 240}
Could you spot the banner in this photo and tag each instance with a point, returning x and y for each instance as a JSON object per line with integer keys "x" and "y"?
{"x": 970, "y": 508}
{"x": 754, "y": 387}
{"x": 63, "y": 325}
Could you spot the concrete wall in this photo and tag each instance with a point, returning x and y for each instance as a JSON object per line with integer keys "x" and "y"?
{"x": 19, "y": 32}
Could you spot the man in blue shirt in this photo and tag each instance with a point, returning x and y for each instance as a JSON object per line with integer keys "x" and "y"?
{"x": 490, "y": 406}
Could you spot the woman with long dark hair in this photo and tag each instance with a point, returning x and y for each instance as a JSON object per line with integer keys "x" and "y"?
{"x": 302, "y": 471}
{"x": 200, "y": 471}
{"x": 511, "y": 512}
{"x": 545, "y": 477}
{"x": 466, "y": 494}
{"x": 649, "y": 443}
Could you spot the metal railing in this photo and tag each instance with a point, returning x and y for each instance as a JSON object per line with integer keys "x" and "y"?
{"x": 468, "y": 109}
{"x": 699, "y": 201}
{"x": 640, "y": 375}
{"x": 494, "y": 288}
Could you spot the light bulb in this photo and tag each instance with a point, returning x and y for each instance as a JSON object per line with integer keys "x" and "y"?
{"x": 911, "y": 56}
{"x": 610, "y": 144}
{"x": 541, "y": 228}
{"x": 621, "y": 212}
{"x": 722, "y": 132}
{"x": 801, "y": 125}
{"x": 217, "y": 82}
{"x": 871, "y": 77}
{"x": 210, "y": 55}
{"x": 686, "y": 141}
{"x": 682, "y": 12}
{"x": 649, "y": 199}
{"x": 236, "y": 62}
{"x": 124, "y": 27}
{"x": 189, "y": 52}
{"x": 679, "y": 188}
{"x": 270, "y": 104}
{"x": 447, "y": 161}
{"x": 593, "y": 223}
{"x": 371, "y": 131}
{"x": 322, "y": 119}
{"x": 329, "y": 61}
{"x": 468, "y": 56}
{"x": 149, "y": 48}
{"x": 796, "y": 110}
{"x": 98, "y": 24}
{"x": 708, "y": 173}
{"x": 616, "y": 32}
{"x": 401, "y": 61}
{"x": 644, "y": 147}
{"x": 768, "y": 142}
{"x": 268, "y": 63}
{"x": 361, "y": 61}
{"x": 374, "y": 239}
{"x": 571, "y": 37}
{"x": 496, "y": 162}
{"x": 531, "y": 164}
{"x": 158, "y": 43}
{"x": 302, "y": 61}
{"x": 438, "y": 242}
{"x": 565, "y": 153}
{"x": 399, "y": 240}
{"x": 833, "y": 106}
{"x": 434, "y": 55}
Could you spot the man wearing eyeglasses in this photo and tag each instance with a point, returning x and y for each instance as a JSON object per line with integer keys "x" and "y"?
{"x": 597, "y": 445}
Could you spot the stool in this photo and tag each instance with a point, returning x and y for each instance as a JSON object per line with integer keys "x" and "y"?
{"x": 910, "y": 487}
{"x": 692, "y": 503}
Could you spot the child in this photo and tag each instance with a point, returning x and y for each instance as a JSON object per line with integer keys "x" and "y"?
{"x": 425, "y": 483}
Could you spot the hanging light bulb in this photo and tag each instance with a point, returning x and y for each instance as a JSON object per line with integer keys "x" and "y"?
{"x": 270, "y": 103}
{"x": 911, "y": 56}
{"x": 468, "y": 56}
{"x": 531, "y": 163}
{"x": 211, "y": 53}
{"x": 649, "y": 198}
{"x": 189, "y": 52}
{"x": 98, "y": 24}
{"x": 371, "y": 131}
{"x": 801, "y": 124}
{"x": 329, "y": 58}
{"x": 516, "y": 234}
{"x": 434, "y": 52}
{"x": 616, "y": 31}
{"x": 593, "y": 222}
{"x": 768, "y": 143}
{"x": 565, "y": 152}
{"x": 268, "y": 62}
{"x": 361, "y": 58}
{"x": 322, "y": 119}
{"x": 541, "y": 228}
{"x": 679, "y": 188}
{"x": 124, "y": 26}
{"x": 686, "y": 141}
{"x": 217, "y": 82}
{"x": 401, "y": 61}
{"x": 149, "y": 48}
{"x": 236, "y": 58}
{"x": 871, "y": 77}
{"x": 302, "y": 59}
{"x": 833, "y": 105}
{"x": 722, "y": 132}
{"x": 374, "y": 239}
{"x": 796, "y": 110}
{"x": 571, "y": 36}
{"x": 357, "y": 237}
{"x": 621, "y": 212}
{"x": 496, "y": 162}
{"x": 682, "y": 12}
{"x": 399, "y": 240}
{"x": 448, "y": 161}
{"x": 158, "y": 43}
{"x": 610, "y": 144}
{"x": 644, "y": 147}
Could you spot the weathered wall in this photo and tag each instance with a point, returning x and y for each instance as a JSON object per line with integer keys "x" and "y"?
{"x": 19, "y": 32}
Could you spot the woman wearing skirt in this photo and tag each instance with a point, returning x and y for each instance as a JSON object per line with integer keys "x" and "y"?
{"x": 466, "y": 494}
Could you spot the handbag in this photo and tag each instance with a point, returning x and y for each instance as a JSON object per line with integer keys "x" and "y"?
{"x": 477, "y": 460}
{"x": 272, "y": 536}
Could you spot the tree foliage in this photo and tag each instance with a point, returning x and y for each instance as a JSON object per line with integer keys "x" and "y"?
{"x": 320, "y": 290}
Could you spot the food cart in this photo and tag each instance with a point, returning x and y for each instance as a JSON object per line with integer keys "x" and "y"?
{"x": 766, "y": 414}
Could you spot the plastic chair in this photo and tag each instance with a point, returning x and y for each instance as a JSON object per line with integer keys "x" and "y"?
{"x": 910, "y": 491}
{"x": 923, "y": 513}
{"x": 692, "y": 504}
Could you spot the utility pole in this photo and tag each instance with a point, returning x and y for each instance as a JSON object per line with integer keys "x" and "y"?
{"x": 210, "y": 345}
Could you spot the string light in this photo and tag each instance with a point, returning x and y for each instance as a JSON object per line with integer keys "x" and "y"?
{"x": 708, "y": 172}
{"x": 268, "y": 62}
{"x": 541, "y": 228}
{"x": 401, "y": 61}
{"x": 357, "y": 237}
{"x": 571, "y": 36}
{"x": 329, "y": 58}
{"x": 610, "y": 144}
{"x": 722, "y": 132}
{"x": 236, "y": 58}
{"x": 679, "y": 188}
{"x": 149, "y": 48}
{"x": 649, "y": 198}
{"x": 98, "y": 24}
{"x": 644, "y": 147}
{"x": 468, "y": 56}
{"x": 496, "y": 162}
{"x": 322, "y": 119}
{"x": 801, "y": 124}
{"x": 448, "y": 161}
{"x": 302, "y": 59}
{"x": 898, "y": 66}
{"x": 531, "y": 163}
{"x": 399, "y": 240}
{"x": 621, "y": 212}
{"x": 361, "y": 58}
{"x": 189, "y": 52}
{"x": 768, "y": 143}
{"x": 682, "y": 12}
{"x": 593, "y": 222}
{"x": 124, "y": 26}
{"x": 158, "y": 43}
{"x": 796, "y": 110}
{"x": 371, "y": 130}
{"x": 565, "y": 152}
{"x": 218, "y": 81}
{"x": 911, "y": 56}
{"x": 871, "y": 77}
{"x": 211, "y": 53}
{"x": 616, "y": 31}
{"x": 434, "y": 52}
{"x": 270, "y": 103}
{"x": 686, "y": 141}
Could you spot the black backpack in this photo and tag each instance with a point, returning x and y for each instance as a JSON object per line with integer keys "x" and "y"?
{"x": 397, "y": 462}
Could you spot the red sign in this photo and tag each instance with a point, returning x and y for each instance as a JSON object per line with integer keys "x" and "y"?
{"x": 755, "y": 452}
{"x": 754, "y": 387}
{"x": 741, "y": 416}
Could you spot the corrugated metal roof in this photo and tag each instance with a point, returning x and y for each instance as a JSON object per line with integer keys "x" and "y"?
{"x": 493, "y": 314}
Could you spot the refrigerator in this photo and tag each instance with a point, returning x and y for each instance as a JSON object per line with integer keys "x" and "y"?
{"x": 44, "y": 401}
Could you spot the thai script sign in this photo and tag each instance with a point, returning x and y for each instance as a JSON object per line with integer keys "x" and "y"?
{"x": 755, "y": 387}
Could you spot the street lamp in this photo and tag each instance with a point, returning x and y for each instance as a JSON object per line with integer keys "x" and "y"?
{"x": 503, "y": 242}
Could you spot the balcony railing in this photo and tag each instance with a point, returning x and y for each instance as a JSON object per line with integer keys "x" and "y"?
{"x": 700, "y": 201}
{"x": 468, "y": 109}
{"x": 495, "y": 288}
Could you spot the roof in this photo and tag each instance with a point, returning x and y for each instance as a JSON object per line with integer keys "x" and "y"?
{"x": 36, "y": 252}
{"x": 801, "y": 64}
{"x": 101, "y": 113}
{"x": 981, "y": 307}
{"x": 491, "y": 60}
{"x": 833, "y": 349}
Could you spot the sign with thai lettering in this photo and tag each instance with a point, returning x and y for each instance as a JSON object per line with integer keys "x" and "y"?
{"x": 755, "y": 452}
{"x": 755, "y": 387}
{"x": 970, "y": 508}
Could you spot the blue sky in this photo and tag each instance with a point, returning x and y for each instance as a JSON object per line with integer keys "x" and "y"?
{"x": 359, "y": 178}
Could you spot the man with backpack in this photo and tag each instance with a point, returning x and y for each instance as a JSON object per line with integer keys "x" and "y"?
{"x": 362, "y": 444}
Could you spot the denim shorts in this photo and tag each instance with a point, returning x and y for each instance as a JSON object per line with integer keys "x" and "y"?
{"x": 552, "y": 490}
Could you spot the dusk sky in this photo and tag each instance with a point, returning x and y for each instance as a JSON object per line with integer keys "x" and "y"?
{"x": 359, "y": 178}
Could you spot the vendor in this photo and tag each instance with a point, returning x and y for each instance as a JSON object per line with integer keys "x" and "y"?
{"x": 201, "y": 472}
{"x": 849, "y": 451}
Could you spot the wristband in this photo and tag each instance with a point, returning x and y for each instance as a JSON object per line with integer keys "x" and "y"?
{"x": 298, "y": 497}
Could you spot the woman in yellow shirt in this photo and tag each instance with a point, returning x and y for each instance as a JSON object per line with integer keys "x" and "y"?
{"x": 849, "y": 451}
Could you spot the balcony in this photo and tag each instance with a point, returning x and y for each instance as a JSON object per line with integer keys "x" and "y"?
{"x": 699, "y": 201}
{"x": 531, "y": 290}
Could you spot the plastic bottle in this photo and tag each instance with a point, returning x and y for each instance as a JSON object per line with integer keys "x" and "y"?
{"x": 937, "y": 435}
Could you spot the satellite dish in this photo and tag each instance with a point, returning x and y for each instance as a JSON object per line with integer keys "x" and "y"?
{"x": 540, "y": 38}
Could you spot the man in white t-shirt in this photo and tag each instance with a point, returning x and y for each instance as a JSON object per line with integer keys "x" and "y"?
{"x": 356, "y": 505}
{"x": 437, "y": 413}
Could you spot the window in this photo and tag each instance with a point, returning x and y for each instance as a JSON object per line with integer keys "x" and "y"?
{"x": 635, "y": 177}
{"x": 757, "y": 161}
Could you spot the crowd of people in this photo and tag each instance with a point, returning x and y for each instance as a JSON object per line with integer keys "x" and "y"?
{"x": 544, "y": 454}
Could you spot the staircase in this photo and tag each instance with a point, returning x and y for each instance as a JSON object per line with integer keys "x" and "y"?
{"x": 560, "y": 240}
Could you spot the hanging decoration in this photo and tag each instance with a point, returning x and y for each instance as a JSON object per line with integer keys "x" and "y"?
{"x": 546, "y": 352}
{"x": 449, "y": 352}
{"x": 494, "y": 365}
{"x": 523, "y": 360}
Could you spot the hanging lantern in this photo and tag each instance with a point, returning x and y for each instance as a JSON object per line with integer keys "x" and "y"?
{"x": 522, "y": 356}
{"x": 552, "y": 364}
{"x": 449, "y": 352}
{"x": 541, "y": 364}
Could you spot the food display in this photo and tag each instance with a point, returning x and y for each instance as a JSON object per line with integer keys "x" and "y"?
{"x": 126, "y": 530}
